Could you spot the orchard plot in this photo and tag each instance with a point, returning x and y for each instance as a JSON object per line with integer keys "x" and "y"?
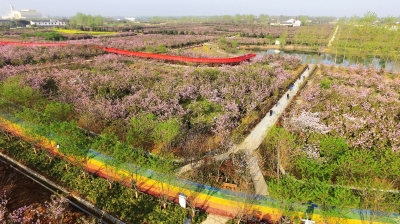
{"x": 152, "y": 105}
{"x": 148, "y": 42}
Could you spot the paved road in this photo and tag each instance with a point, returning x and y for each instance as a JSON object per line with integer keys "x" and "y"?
{"x": 256, "y": 137}
{"x": 259, "y": 133}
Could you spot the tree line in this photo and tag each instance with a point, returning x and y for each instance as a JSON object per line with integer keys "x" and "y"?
{"x": 358, "y": 39}
{"x": 81, "y": 19}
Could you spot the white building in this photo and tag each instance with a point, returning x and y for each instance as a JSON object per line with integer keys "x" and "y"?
{"x": 297, "y": 23}
{"x": 291, "y": 22}
{"x": 50, "y": 23}
{"x": 22, "y": 14}
{"x": 130, "y": 19}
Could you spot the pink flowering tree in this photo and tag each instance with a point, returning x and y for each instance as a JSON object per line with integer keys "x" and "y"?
{"x": 358, "y": 104}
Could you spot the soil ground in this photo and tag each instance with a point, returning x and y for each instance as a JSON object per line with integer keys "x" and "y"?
{"x": 24, "y": 191}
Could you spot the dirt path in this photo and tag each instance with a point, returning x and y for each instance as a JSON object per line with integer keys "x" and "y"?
{"x": 333, "y": 37}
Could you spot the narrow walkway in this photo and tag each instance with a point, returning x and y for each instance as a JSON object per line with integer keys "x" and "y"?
{"x": 333, "y": 37}
{"x": 256, "y": 137}
{"x": 215, "y": 219}
{"x": 259, "y": 133}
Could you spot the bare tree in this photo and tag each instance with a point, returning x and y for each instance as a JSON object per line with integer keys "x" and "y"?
{"x": 244, "y": 206}
{"x": 374, "y": 198}
{"x": 283, "y": 145}
{"x": 135, "y": 172}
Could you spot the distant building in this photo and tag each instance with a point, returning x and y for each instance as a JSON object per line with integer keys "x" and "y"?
{"x": 297, "y": 23}
{"x": 22, "y": 14}
{"x": 291, "y": 23}
{"x": 130, "y": 19}
{"x": 393, "y": 27}
{"x": 50, "y": 23}
{"x": 286, "y": 24}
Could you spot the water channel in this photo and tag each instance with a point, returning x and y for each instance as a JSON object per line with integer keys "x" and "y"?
{"x": 328, "y": 59}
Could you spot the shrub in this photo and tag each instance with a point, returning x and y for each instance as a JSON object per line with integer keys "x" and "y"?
{"x": 14, "y": 91}
{"x": 59, "y": 111}
{"x": 140, "y": 129}
{"x": 326, "y": 83}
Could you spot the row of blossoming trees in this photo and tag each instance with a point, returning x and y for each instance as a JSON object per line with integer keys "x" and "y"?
{"x": 14, "y": 56}
{"x": 147, "y": 42}
{"x": 11, "y": 55}
{"x": 343, "y": 131}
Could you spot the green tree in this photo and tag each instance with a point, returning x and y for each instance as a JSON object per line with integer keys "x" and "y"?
{"x": 263, "y": 18}
{"x": 104, "y": 143}
{"x": 283, "y": 37}
{"x": 374, "y": 196}
{"x": 237, "y": 19}
{"x": 249, "y": 19}
{"x": 287, "y": 192}
{"x": 71, "y": 141}
{"x": 165, "y": 176}
{"x": 136, "y": 172}
{"x": 333, "y": 201}
{"x": 59, "y": 111}
{"x": 81, "y": 19}
{"x": 369, "y": 18}
{"x": 333, "y": 147}
{"x": 303, "y": 20}
{"x": 165, "y": 132}
{"x": 161, "y": 48}
{"x": 282, "y": 144}
{"x": 140, "y": 130}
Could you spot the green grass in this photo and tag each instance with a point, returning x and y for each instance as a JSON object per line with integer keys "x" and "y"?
{"x": 326, "y": 83}
{"x": 52, "y": 36}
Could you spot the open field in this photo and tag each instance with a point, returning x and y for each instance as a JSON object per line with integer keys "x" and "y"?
{"x": 94, "y": 33}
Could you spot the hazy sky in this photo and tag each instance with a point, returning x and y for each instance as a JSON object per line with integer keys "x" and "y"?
{"x": 136, "y": 8}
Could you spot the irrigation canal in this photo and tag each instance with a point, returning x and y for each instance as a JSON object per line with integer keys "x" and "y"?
{"x": 329, "y": 59}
